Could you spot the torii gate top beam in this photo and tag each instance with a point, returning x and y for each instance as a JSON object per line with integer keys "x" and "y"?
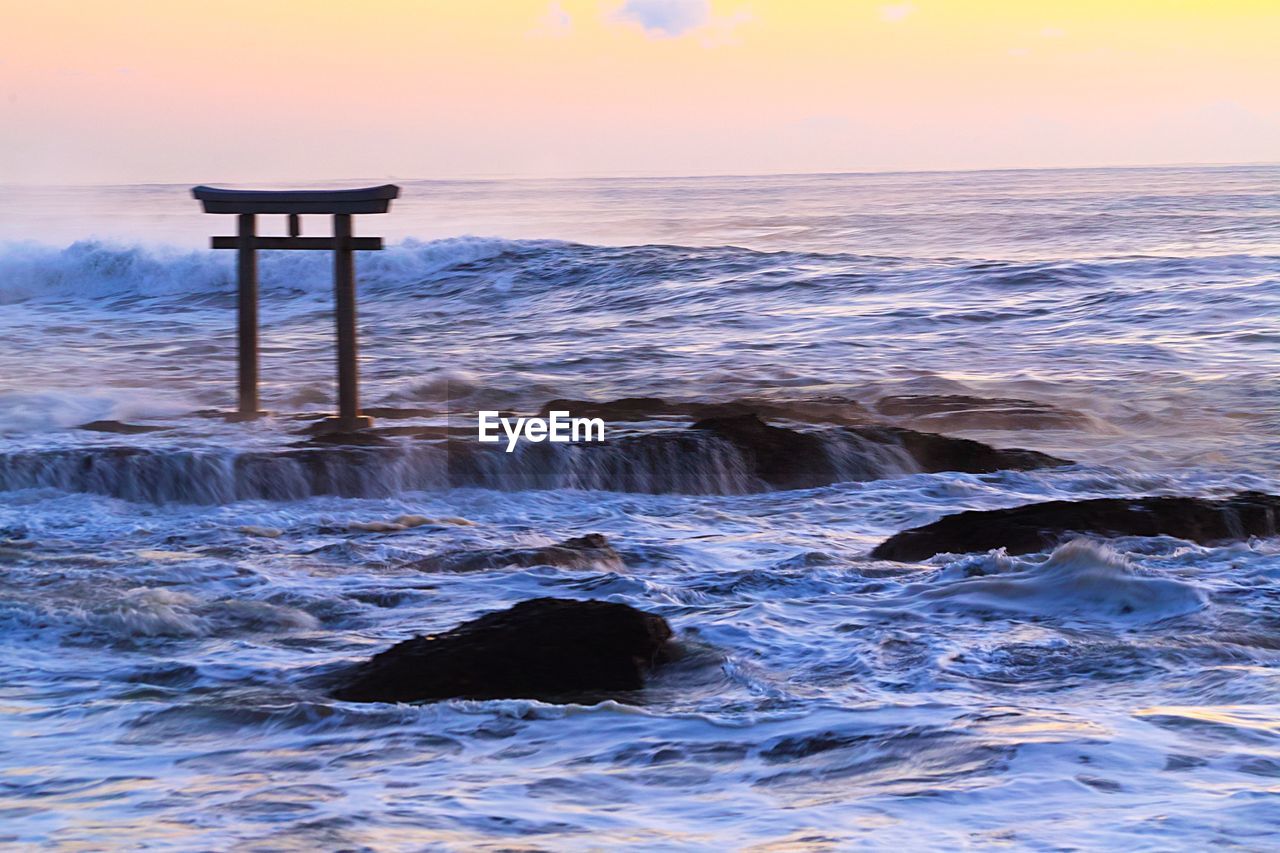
{"x": 365, "y": 200}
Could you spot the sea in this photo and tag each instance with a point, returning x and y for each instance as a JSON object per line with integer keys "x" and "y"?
{"x": 174, "y": 601}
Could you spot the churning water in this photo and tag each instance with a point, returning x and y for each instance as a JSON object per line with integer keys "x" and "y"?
{"x": 170, "y": 600}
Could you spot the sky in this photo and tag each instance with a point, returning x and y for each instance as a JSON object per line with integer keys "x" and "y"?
{"x": 278, "y": 91}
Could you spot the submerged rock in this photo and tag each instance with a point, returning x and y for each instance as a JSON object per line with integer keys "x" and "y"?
{"x": 1034, "y": 527}
{"x": 790, "y": 459}
{"x": 120, "y": 428}
{"x": 546, "y": 648}
{"x": 582, "y": 552}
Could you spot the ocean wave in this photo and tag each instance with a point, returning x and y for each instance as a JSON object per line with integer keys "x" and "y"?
{"x": 163, "y": 612}
{"x": 92, "y": 269}
{"x": 91, "y": 611}
{"x": 39, "y": 411}
{"x": 567, "y": 273}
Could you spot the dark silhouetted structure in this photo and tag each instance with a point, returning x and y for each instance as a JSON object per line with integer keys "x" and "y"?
{"x": 342, "y": 204}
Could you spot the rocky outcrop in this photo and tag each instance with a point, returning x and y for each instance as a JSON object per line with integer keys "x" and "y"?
{"x": 733, "y": 455}
{"x": 791, "y": 459}
{"x": 930, "y": 412}
{"x": 934, "y": 453}
{"x": 783, "y": 458}
{"x": 556, "y": 650}
{"x": 821, "y": 410}
{"x": 1035, "y": 527}
{"x": 592, "y": 551}
{"x": 120, "y": 428}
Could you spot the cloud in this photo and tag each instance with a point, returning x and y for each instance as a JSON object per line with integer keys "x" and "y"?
{"x": 554, "y": 22}
{"x": 896, "y": 11}
{"x": 666, "y": 18}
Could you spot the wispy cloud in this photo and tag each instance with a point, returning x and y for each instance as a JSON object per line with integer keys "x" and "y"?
{"x": 675, "y": 18}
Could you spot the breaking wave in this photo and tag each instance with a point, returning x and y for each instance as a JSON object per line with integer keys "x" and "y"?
{"x": 1082, "y": 579}
{"x": 95, "y": 269}
{"x": 34, "y": 411}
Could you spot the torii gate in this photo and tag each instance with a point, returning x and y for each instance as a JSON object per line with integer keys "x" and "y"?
{"x": 341, "y": 204}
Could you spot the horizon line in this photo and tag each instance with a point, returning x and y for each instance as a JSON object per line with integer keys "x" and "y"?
{"x": 624, "y": 176}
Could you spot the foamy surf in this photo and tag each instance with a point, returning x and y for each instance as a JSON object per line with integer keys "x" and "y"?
{"x": 1080, "y": 579}
{"x": 45, "y": 411}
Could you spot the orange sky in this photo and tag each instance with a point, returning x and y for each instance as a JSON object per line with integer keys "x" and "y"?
{"x": 282, "y": 90}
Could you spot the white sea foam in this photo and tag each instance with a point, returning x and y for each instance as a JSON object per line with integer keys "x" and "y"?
{"x": 163, "y": 612}
{"x": 1082, "y": 578}
{"x": 41, "y": 411}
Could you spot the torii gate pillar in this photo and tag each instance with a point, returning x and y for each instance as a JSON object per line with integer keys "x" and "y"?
{"x": 341, "y": 204}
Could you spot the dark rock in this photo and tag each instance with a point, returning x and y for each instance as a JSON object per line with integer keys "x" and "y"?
{"x": 120, "y": 428}
{"x": 783, "y": 458}
{"x": 397, "y": 413}
{"x": 934, "y": 453}
{"x": 422, "y": 432}
{"x": 379, "y": 436}
{"x": 790, "y": 459}
{"x": 1035, "y": 527}
{"x": 819, "y": 410}
{"x": 322, "y": 437}
{"x": 547, "y": 648}
{"x": 582, "y": 552}
{"x": 838, "y": 410}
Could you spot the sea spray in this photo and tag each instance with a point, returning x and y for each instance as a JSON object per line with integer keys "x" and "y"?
{"x": 1081, "y": 578}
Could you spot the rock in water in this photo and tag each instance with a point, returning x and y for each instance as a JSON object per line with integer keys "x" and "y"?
{"x": 821, "y": 410}
{"x": 547, "y": 648}
{"x": 935, "y": 453}
{"x": 592, "y": 551}
{"x": 790, "y": 459}
{"x": 120, "y": 428}
{"x": 783, "y": 458}
{"x": 1034, "y": 527}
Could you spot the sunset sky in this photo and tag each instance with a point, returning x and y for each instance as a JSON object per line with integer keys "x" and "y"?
{"x": 286, "y": 90}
